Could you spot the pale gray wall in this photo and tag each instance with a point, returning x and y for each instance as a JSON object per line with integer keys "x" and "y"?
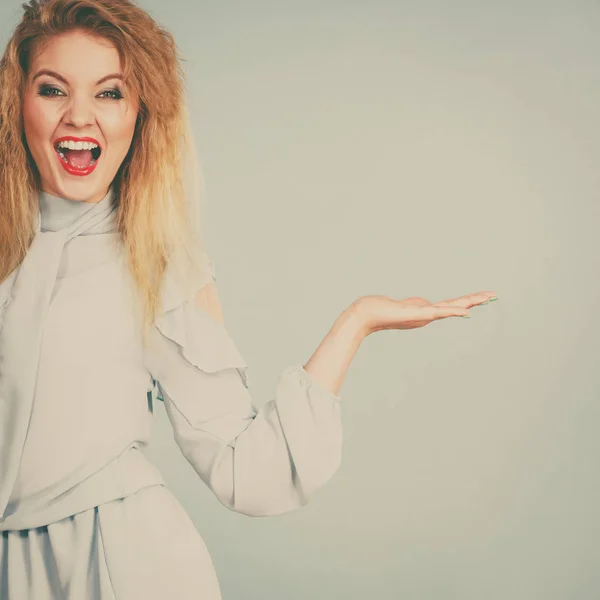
{"x": 409, "y": 148}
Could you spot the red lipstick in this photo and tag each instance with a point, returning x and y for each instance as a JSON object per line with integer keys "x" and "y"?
{"x": 72, "y": 169}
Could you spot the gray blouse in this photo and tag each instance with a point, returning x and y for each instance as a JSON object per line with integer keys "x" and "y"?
{"x": 77, "y": 386}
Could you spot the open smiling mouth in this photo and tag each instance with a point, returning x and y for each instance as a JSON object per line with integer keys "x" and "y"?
{"x": 77, "y": 158}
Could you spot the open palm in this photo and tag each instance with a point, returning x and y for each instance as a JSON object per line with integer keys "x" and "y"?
{"x": 383, "y": 312}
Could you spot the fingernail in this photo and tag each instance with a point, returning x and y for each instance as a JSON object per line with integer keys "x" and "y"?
{"x": 466, "y": 316}
{"x": 493, "y": 298}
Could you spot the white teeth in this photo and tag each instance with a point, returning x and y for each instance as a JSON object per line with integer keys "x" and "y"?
{"x": 71, "y": 145}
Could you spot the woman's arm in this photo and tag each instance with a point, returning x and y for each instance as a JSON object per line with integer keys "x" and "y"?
{"x": 330, "y": 361}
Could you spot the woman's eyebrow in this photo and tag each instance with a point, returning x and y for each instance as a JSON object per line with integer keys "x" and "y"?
{"x": 61, "y": 78}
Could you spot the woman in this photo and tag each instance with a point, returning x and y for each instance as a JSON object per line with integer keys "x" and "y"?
{"x": 106, "y": 296}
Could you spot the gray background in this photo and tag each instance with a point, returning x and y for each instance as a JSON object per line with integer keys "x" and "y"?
{"x": 409, "y": 149}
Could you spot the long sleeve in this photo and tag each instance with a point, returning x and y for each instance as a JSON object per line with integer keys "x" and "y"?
{"x": 258, "y": 462}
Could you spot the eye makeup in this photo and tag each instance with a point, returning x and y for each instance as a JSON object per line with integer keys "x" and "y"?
{"x": 48, "y": 90}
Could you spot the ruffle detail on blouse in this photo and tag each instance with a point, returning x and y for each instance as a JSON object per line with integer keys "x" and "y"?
{"x": 203, "y": 340}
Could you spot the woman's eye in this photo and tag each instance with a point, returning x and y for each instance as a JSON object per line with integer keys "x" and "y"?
{"x": 48, "y": 90}
{"x": 116, "y": 94}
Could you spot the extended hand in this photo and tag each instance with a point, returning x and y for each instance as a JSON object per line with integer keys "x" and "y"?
{"x": 383, "y": 312}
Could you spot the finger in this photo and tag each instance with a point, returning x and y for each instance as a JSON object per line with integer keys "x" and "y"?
{"x": 468, "y": 300}
{"x": 437, "y": 311}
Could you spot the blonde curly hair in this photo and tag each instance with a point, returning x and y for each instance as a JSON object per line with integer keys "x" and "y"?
{"x": 158, "y": 183}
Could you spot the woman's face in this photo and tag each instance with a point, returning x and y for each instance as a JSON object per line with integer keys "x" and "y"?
{"x": 74, "y": 94}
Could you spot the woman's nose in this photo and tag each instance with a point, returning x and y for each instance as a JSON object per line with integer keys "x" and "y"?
{"x": 80, "y": 112}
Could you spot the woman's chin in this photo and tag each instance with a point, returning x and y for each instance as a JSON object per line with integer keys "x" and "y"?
{"x": 86, "y": 189}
